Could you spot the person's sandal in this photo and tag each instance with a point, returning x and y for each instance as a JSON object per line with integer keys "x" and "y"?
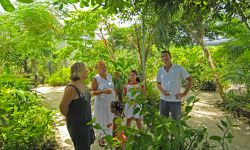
{"x": 101, "y": 142}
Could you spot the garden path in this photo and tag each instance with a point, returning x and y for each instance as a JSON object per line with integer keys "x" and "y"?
{"x": 205, "y": 113}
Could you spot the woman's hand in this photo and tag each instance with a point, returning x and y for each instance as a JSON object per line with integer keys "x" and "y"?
{"x": 108, "y": 91}
{"x": 109, "y": 125}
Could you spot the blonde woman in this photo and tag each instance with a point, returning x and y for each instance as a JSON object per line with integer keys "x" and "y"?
{"x": 75, "y": 106}
{"x": 104, "y": 91}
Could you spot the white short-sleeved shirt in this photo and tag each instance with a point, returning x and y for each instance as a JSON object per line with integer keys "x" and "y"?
{"x": 171, "y": 81}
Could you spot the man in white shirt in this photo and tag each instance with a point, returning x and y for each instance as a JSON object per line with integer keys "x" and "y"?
{"x": 169, "y": 82}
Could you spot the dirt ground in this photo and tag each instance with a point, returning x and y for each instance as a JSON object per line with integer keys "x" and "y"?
{"x": 205, "y": 112}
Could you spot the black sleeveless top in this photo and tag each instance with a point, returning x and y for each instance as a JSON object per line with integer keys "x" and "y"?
{"x": 80, "y": 109}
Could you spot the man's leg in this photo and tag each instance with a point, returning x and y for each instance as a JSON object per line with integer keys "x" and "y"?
{"x": 164, "y": 108}
{"x": 175, "y": 109}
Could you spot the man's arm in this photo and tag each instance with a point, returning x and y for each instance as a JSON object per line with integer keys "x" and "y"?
{"x": 166, "y": 93}
{"x": 188, "y": 88}
{"x": 189, "y": 85}
{"x": 159, "y": 86}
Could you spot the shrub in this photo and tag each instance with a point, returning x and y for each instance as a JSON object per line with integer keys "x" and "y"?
{"x": 9, "y": 81}
{"x": 234, "y": 100}
{"x": 208, "y": 86}
{"x": 24, "y": 122}
{"x": 59, "y": 78}
{"x": 165, "y": 133}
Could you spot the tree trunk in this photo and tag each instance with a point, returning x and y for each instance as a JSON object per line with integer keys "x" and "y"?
{"x": 143, "y": 53}
{"x": 25, "y": 66}
{"x": 50, "y": 67}
{"x": 199, "y": 38}
{"x": 215, "y": 74}
{"x": 34, "y": 68}
{"x": 138, "y": 46}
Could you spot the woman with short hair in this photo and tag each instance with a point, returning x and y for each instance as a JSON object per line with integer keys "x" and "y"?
{"x": 75, "y": 106}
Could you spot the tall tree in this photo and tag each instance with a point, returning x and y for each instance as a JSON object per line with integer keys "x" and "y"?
{"x": 195, "y": 19}
{"x": 33, "y": 32}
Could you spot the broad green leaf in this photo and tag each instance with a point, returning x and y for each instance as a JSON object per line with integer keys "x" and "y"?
{"x": 2, "y": 121}
{"x": 26, "y": 1}
{"x": 98, "y": 1}
{"x": 73, "y": 1}
{"x": 229, "y": 137}
{"x": 215, "y": 138}
{"x": 97, "y": 126}
{"x": 188, "y": 109}
{"x": 118, "y": 121}
{"x": 190, "y": 100}
{"x": 7, "y": 5}
{"x": 83, "y": 3}
{"x": 137, "y": 109}
{"x": 92, "y": 121}
{"x": 61, "y": 6}
{"x": 220, "y": 127}
{"x": 147, "y": 138}
{"x": 224, "y": 123}
{"x": 200, "y": 137}
{"x": 109, "y": 138}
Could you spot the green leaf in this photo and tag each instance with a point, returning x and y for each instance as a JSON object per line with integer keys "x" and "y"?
{"x": 229, "y": 137}
{"x": 136, "y": 110}
{"x": 109, "y": 138}
{"x": 147, "y": 139}
{"x": 188, "y": 109}
{"x": 2, "y": 121}
{"x": 248, "y": 106}
{"x": 190, "y": 100}
{"x": 97, "y": 126}
{"x": 220, "y": 127}
{"x": 7, "y": 5}
{"x": 118, "y": 121}
{"x": 93, "y": 2}
{"x": 61, "y": 6}
{"x": 200, "y": 138}
{"x": 224, "y": 123}
{"x": 91, "y": 122}
{"x": 84, "y": 3}
{"x": 73, "y": 1}
{"x": 215, "y": 138}
{"x": 98, "y": 1}
{"x": 26, "y": 1}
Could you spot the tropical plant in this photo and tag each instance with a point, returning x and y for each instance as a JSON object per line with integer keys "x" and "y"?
{"x": 9, "y": 81}
{"x": 33, "y": 42}
{"x": 164, "y": 133}
{"x": 25, "y": 123}
{"x": 59, "y": 78}
{"x": 233, "y": 57}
